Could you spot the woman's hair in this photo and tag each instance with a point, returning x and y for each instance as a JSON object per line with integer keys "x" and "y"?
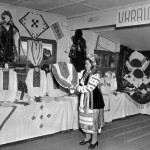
{"x": 93, "y": 65}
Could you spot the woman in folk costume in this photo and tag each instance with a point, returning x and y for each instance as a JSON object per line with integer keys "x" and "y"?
{"x": 91, "y": 101}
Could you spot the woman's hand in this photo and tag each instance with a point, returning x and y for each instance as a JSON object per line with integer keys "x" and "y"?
{"x": 73, "y": 89}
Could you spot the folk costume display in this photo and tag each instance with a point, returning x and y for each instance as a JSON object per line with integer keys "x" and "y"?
{"x": 9, "y": 37}
{"x": 91, "y": 101}
{"x": 77, "y": 52}
{"x": 8, "y": 84}
{"x": 36, "y": 83}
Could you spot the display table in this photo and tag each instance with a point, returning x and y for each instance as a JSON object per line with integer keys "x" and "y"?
{"x": 121, "y": 105}
{"x": 20, "y": 122}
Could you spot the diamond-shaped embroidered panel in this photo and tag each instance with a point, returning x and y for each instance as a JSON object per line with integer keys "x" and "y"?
{"x": 34, "y": 24}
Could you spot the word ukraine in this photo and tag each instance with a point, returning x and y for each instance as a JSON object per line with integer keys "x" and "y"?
{"x": 133, "y": 16}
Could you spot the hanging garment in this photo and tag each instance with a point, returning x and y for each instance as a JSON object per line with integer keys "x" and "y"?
{"x": 35, "y": 52}
{"x": 36, "y": 91}
{"x": 8, "y": 90}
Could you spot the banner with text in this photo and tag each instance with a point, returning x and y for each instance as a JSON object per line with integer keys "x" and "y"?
{"x": 136, "y": 15}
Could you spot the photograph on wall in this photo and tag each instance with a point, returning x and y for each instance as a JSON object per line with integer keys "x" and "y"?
{"x": 47, "y": 51}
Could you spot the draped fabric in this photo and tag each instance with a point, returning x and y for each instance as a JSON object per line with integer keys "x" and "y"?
{"x": 36, "y": 91}
{"x": 133, "y": 74}
{"x": 35, "y": 52}
{"x": 65, "y": 74}
{"x": 8, "y": 93}
{"x": 51, "y": 91}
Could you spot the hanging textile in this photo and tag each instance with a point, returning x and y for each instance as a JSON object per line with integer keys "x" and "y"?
{"x": 35, "y": 52}
{"x": 34, "y": 24}
{"x": 133, "y": 74}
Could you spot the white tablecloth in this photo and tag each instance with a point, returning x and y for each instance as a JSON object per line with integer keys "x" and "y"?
{"x": 38, "y": 119}
{"x": 121, "y": 105}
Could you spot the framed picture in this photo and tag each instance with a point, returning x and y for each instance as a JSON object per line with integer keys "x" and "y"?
{"x": 49, "y": 51}
{"x": 106, "y": 60}
{"x": 104, "y": 43}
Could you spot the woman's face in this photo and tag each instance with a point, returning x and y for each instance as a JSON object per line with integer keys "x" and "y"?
{"x": 87, "y": 65}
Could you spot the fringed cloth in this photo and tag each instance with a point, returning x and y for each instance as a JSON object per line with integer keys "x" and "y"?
{"x": 65, "y": 74}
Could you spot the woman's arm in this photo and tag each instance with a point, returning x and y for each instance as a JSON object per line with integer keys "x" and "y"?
{"x": 93, "y": 82}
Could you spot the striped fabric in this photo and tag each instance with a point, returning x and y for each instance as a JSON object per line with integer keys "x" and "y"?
{"x": 36, "y": 78}
{"x": 5, "y": 80}
{"x": 86, "y": 120}
{"x": 65, "y": 74}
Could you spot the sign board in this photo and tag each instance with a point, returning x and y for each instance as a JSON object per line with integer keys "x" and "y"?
{"x": 136, "y": 15}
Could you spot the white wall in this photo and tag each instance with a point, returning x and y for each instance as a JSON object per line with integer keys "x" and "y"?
{"x": 62, "y": 44}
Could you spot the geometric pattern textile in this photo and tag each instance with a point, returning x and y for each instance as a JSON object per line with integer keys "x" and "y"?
{"x": 63, "y": 69}
{"x": 40, "y": 116}
{"x": 5, "y": 80}
{"x": 62, "y": 78}
{"x": 57, "y": 30}
{"x": 34, "y": 24}
{"x": 8, "y": 116}
{"x": 36, "y": 78}
{"x": 133, "y": 74}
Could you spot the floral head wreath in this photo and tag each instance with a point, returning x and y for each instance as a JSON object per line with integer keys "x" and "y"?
{"x": 92, "y": 58}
